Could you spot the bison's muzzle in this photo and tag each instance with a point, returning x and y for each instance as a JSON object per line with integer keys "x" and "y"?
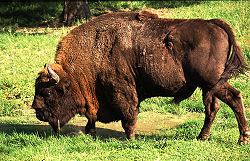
{"x": 39, "y": 115}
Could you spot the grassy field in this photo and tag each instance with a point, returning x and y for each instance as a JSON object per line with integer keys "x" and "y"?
{"x": 165, "y": 131}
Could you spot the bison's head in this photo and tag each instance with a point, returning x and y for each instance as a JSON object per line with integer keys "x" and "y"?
{"x": 53, "y": 99}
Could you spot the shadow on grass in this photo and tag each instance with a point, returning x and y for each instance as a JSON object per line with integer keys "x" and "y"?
{"x": 41, "y": 130}
{"x": 187, "y": 131}
{"x": 45, "y": 131}
{"x": 68, "y": 130}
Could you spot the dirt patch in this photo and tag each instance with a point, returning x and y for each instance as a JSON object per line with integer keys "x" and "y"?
{"x": 148, "y": 123}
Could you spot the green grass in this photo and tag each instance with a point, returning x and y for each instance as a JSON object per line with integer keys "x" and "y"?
{"x": 23, "y": 53}
{"x": 21, "y": 57}
{"x": 29, "y": 140}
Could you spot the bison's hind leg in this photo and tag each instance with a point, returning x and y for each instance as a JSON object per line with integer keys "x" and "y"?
{"x": 211, "y": 108}
{"x": 233, "y": 98}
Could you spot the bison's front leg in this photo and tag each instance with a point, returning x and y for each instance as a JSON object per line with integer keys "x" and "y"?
{"x": 127, "y": 103}
{"x": 90, "y": 127}
{"x": 129, "y": 124}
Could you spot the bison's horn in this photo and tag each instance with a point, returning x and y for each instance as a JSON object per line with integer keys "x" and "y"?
{"x": 53, "y": 74}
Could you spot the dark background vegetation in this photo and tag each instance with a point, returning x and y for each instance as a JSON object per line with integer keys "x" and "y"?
{"x": 42, "y": 13}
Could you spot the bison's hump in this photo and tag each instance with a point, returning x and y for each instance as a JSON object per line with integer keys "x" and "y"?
{"x": 146, "y": 15}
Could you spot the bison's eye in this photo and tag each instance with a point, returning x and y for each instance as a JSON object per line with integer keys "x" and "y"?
{"x": 46, "y": 93}
{"x": 49, "y": 94}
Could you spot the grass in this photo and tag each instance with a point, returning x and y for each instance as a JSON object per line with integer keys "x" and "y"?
{"x": 24, "y": 51}
{"x": 22, "y": 56}
{"x": 30, "y": 140}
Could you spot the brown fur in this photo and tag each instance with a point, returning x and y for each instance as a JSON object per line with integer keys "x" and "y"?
{"x": 110, "y": 64}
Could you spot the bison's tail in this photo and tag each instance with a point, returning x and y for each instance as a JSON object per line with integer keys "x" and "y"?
{"x": 235, "y": 60}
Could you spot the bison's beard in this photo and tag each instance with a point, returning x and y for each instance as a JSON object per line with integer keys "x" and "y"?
{"x": 56, "y": 125}
{"x": 57, "y": 121}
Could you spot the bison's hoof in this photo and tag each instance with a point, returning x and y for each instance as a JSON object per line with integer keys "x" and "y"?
{"x": 93, "y": 133}
{"x": 246, "y": 142}
{"x": 203, "y": 137}
{"x": 93, "y": 136}
{"x": 244, "y": 139}
{"x": 131, "y": 136}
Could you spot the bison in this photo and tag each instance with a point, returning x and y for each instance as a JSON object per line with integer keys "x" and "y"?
{"x": 105, "y": 67}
